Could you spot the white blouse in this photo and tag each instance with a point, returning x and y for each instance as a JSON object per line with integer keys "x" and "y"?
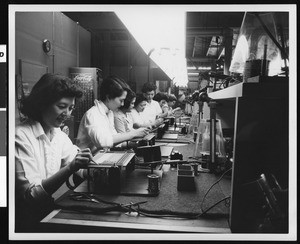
{"x": 138, "y": 119}
{"x": 123, "y": 122}
{"x": 96, "y": 128}
{"x": 37, "y": 157}
{"x": 151, "y": 111}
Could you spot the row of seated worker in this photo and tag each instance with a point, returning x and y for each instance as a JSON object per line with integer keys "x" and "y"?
{"x": 121, "y": 115}
{"x": 45, "y": 157}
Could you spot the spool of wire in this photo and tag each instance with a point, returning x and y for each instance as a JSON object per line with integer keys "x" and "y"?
{"x": 153, "y": 186}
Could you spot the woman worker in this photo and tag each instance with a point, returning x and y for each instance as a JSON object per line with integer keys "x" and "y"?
{"x": 162, "y": 99}
{"x": 45, "y": 157}
{"x": 171, "y": 102}
{"x": 137, "y": 118}
{"x": 96, "y": 129}
{"x": 152, "y": 110}
{"x": 122, "y": 116}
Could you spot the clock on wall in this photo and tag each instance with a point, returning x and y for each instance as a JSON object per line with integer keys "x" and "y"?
{"x": 46, "y": 46}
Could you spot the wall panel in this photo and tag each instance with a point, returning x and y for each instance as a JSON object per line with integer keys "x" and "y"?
{"x": 33, "y": 27}
{"x": 85, "y": 48}
{"x": 65, "y": 36}
{"x": 36, "y": 24}
{"x": 65, "y": 33}
{"x": 64, "y": 60}
{"x": 139, "y": 75}
{"x": 30, "y": 48}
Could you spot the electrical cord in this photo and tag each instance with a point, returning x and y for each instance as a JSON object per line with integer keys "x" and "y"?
{"x": 179, "y": 216}
{"x": 175, "y": 216}
{"x": 201, "y": 206}
{"x": 130, "y": 208}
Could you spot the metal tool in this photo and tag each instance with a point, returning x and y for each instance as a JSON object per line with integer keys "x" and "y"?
{"x": 80, "y": 196}
{"x": 83, "y": 197}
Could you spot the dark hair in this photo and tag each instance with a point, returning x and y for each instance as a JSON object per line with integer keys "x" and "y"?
{"x": 49, "y": 89}
{"x": 129, "y": 97}
{"x": 139, "y": 98}
{"x": 112, "y": 87}
{"x": 172, "y": 98}
{"x": 148, "y": 86}
{"x": 160, "y": 96}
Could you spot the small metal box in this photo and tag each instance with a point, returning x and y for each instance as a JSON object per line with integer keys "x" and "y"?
{"x": 185, "y": 178}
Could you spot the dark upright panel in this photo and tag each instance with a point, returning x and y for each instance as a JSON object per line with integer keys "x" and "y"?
{"x": 261, "y": 147}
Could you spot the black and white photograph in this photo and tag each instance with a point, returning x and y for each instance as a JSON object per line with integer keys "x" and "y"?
{"x": 151, "y": 122}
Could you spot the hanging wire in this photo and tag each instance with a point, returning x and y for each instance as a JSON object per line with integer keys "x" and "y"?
{"x": 201, "y": 206}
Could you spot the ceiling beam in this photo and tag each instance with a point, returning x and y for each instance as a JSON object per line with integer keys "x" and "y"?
{"x": 190, "y": 32}
{"x": 202, "y": 59}
{"x": 194, "y": 46}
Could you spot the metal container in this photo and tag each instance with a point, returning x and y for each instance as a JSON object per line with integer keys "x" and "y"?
{"x": 153, "y": 186}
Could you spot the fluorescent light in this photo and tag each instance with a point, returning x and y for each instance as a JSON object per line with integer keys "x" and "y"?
{"x": 240, "y": 55}
{"x": 161, "y": 34}
{"x": 204, "y": 68}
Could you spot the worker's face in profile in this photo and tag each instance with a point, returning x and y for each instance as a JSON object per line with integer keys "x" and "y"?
{"x": 57, "y": 113}
{"x": 171, "y": 104}
{"x": 114, "y": 103}
{"x": 141, "y": 106}
{"x": 162, "y": 102}
{"x": 149, "y": 95}
{"x": 131, "y": 105}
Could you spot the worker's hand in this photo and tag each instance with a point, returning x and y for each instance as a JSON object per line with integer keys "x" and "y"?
{"x": 171, "y": 113}
{"x": 141, "y": 132}
{"x": 158, "y": 122}
{"x": 81, "y": 160}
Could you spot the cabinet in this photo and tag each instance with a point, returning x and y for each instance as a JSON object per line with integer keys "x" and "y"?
{"x": 258, "y": 114}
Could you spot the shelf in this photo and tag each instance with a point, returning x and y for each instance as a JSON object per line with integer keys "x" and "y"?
{"x": 227, "y": 93}
{"x": 262, "y": 87}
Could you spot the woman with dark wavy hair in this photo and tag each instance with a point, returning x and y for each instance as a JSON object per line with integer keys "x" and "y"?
{"x": 122, "y": 116}
{"x": 172, "y": 101}
{"x": 162, "y": 99}
{"x": 45, "y": 156}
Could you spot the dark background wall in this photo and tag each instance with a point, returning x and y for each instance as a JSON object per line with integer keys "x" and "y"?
{"x": 70, "y": 47}
{"x": 115, "y": 50}
{"x": 73, "y": 45}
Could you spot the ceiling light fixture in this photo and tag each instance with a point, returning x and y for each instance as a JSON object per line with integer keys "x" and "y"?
{"x": 163, "y": 30}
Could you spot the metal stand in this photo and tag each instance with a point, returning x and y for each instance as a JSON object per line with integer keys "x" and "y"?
{"x": 212, "y": 122}
{"x": 212, "y": 162}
